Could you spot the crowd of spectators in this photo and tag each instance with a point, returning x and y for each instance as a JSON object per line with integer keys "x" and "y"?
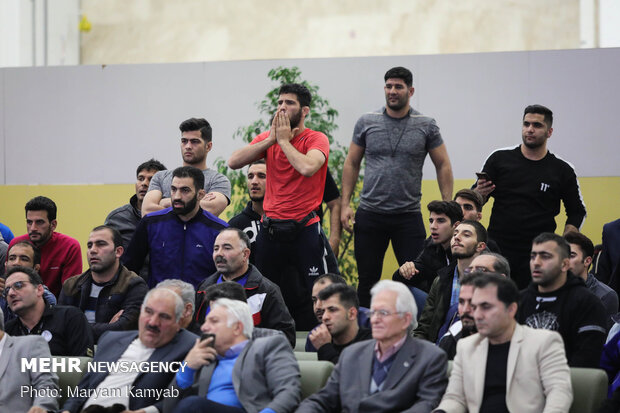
{"x": 168, "y": 280}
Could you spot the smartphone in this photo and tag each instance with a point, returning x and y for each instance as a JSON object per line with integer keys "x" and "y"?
{"x": 205, "y": 336}
{"x": 483, "y": 175}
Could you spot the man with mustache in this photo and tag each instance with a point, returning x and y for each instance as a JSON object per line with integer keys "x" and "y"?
{"x": 159, "y": 338}
{"x": 61, "y": 256}
{"x": 196, "y": 143}
{"x": 464, "y": 326}
{"x": 180, "y": 238}
{"x": 296, "y": 159}
{"x": 468, "y": 241}
{"x": 108, "y": 293}
{"x": 231, "y": 254}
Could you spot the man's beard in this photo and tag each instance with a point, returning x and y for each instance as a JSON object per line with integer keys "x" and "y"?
{"x": 186, "y": 208}
{"x": 468, "y": 329}
{"x": 463, "y": 255}
{"x": 295, "y": 119}
{"x": 400, "y": 104}
{"x": 256, "y": 198}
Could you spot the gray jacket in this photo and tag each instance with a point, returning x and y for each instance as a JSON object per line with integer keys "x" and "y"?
{"x": 270, "y": 376}
{"x": 12, "y": 399}
{"x": 415, "y": 382}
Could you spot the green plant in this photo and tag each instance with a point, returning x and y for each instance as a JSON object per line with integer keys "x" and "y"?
{"x": 322, "y": 118}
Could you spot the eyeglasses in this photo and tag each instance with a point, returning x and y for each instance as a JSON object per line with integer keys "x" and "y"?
{"x": 469, "y": 270}
{"x": 18, "y": 285}
{"x": 382, "y": 313}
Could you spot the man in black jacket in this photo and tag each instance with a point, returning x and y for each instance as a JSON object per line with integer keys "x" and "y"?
{"x": 558, "y": 300}
{"x": 443, "y": 219}
{"x": 108, "y": 293}
{"x": 231, "y": 254}
{"x": 468, "y": 242}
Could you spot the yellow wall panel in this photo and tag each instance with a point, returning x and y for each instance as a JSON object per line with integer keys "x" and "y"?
{"x": 82, "y": 207}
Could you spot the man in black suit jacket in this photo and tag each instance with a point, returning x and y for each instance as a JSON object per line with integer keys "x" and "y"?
{"x": 159, "y": 339}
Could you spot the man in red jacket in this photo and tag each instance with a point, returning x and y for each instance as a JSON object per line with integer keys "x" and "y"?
{"x": 61, "y": 256}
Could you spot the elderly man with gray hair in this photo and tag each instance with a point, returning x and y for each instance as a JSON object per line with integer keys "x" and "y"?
{"x": 187, "y": 293}
{"x": 159, "y": 340}
{"x": 226, "y": 355}
{"x": 392, "y": 372}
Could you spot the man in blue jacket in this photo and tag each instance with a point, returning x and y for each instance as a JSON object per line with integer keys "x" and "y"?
{"x": 180, "y": 238}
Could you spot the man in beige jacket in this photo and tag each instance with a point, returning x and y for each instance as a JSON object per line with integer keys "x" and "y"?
{"x": 506, "y": 366}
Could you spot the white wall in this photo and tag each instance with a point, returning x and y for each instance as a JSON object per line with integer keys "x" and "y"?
{"x": 94, "y": 124}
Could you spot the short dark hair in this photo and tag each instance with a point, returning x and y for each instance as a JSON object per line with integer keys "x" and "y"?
{"x": 481, "y": 232}
{"x": 117, "y": 238}
{"x": 304, "y": 97}
{"x": 501, "y": 264}
{"x": 225, "y": 289}
{"x": 559, "y": 240}
{"x": 36, "y": 252}
{"x": 507, "y": 291}
{"x": 260, "y": 161}
{"x": 334, "y": 278}
{"x": 190, "y": 172}
{"x": 540, "y": 110}
{"x": 400, "y": 72}
{"x": 346, "y": 294}
{"x": 472, "y": 196}
{"x": 150, "y": 165}
{"x": 586, "y": 245}
{"x": 240, "y": 233}
{"x": 199, "y": 124}
{"x": 33, "y": 276}
{"x": 42, "y": 203}
{"x": 451, "y": 209}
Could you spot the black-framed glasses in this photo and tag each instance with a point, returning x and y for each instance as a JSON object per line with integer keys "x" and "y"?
{"x": 17, "y": 285}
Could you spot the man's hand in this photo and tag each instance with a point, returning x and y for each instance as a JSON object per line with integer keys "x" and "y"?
{"x": 320, "y": 336}
{"x": 347, "y": 218}
{"x": 282, "y": 128}
{"x": 484, "y": 188}
{"x": 37, "y": 409}
{"x": 116, "y": 317}
{"x": 201, "y": 354}
{"x": 165, "y": 203}
{"x": 408, "y": 270}
{"x": 1, "y": 282}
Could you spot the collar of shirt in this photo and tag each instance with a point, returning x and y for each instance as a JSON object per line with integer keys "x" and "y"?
{"x": 390, "y": 351}
{"x": 235, "y": 350}
{"x": 241, "y": 280}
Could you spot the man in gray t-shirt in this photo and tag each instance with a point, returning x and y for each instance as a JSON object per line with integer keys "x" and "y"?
{"x": 395, "y": 141}
{"x": 196, "y": 135}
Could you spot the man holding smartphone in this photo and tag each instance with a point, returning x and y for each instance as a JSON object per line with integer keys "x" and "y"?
{"x": 527, "y": 183}
{"x": 225, "y": 355}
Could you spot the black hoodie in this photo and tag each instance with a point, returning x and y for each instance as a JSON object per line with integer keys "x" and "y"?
{"x": 574, "y": 312}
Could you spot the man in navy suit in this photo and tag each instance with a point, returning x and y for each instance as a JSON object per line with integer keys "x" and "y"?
{"x": 159, "y": 339}
{"x": 610, "y": 256}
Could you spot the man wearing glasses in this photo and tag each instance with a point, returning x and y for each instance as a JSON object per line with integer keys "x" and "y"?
{"x": 65, "y": 328}
{"x": 392, "y": 372}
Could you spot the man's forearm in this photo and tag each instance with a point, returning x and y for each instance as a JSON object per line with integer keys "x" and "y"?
{"x": 216, "y": 205}
{"x": 249, "y": 153}
{"x": 305, "y": 164}
{"x": 350, "y": 173}
{"x": 445, "y": 179}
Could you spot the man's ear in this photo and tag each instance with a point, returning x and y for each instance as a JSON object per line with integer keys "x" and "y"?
{"x": 456, "y": 224}
{"x": 481, "y": 246}
{"x": 305, "y": 111}
{"x": 118, "y": 251}
{"x": 201, "y": 194}
{"x": 352, "y": 313}
{"x": 53, "y": 224}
